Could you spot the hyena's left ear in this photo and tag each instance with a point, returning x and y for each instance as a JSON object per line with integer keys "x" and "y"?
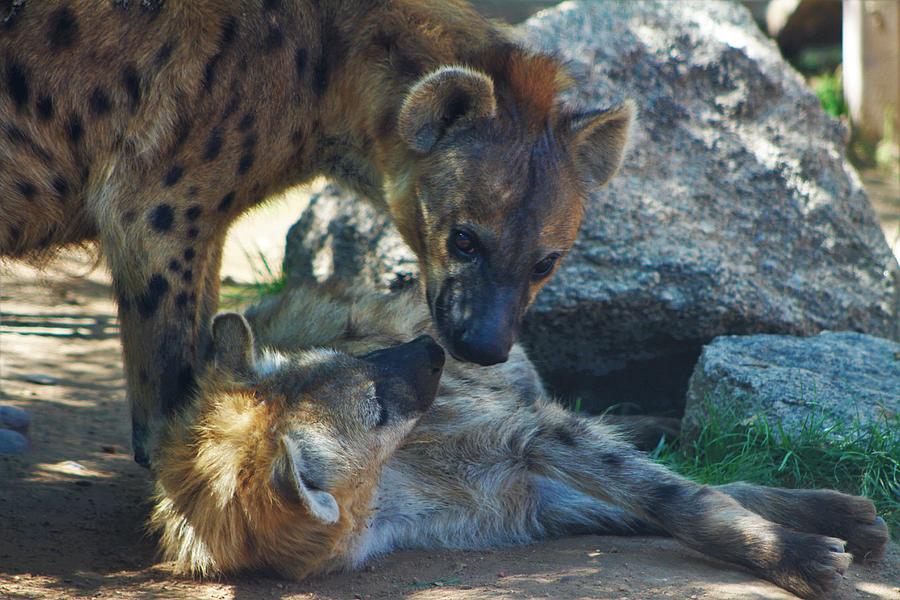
{"x": 441, "y": 99}
{"x": 598, "y": 141}
{"x": 232, "y": 342}
{"x": 288, "y": 479}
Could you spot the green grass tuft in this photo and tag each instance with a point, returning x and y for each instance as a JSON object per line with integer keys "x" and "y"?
{"x": 854, "y": 458}
{"x": 268, "y": 282}
{"x": 829, "y": 88}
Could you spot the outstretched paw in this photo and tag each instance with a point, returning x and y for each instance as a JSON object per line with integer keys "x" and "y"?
{"x": 811, "y": 566}
{"x": 854, "y": 519}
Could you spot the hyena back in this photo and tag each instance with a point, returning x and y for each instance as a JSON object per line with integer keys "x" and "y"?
{"x": 308, "y": 460}
{"x": 151, "y": 126}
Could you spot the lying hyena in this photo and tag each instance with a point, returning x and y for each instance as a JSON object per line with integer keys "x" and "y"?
{"x": 151, "y": 126}
{"x": 311, "y": 460}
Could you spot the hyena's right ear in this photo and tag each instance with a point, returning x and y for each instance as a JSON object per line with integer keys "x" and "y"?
{"x": 445, "y": 97}
{"x": 232, "y": 342}
{"x": 289, "y": 481}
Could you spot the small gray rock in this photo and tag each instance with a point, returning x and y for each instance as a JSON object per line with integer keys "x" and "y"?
{"x": 12, "y": 442}
{"x": 41, "y": 379}
{"x": 14, "y": 418}
{"x": 830, "y": 377}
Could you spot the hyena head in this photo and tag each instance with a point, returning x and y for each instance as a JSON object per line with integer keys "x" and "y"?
{"x": 333, "y": 414}
{"x": 494, "y": 198}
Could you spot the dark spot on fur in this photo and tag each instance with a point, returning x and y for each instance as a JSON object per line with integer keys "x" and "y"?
{"x": 300, "y": 58}
{"x": 162, "y": 217}
{"x": 297, "y": 138}
{"x": 182, "y": 132}
{"x": 100, "y": 103}
{"x": 20, "y": 138}
{"x": 61, "y": 187}
{"x": 193, "y": 232}
{"x": 559, "y": 433}
{"x": 17, "y": 84}
{"x": 249, "y": 142}
{"x": 149, "y": 301}
{"x": 175, "y": 266}
{"x": 274, "y": 39}
{"x": 188, "y": 254}
{"x": 229, "y": 32}
{"x": 226, "y": 202}
{"x": 174, "y": 175}
{"x": 272, "y": 4}
{"x": 612, "y": 460}
{"x": 246, "y": 121}
{"x": 193, "y": 191}
{"x": 164, "y": 53}
{"x": 85, "y": 174}
{"x": 27, "y": 189}
{"x": 213, "y": 144}
{"x": 234, "y": 103}
{"x": 44, "y": 107}
{"x": 187, "y": 276}
{"x": 63, "y": 29}
{"x": 193, "y": 212}
{"x": 245, "y": 163}
{"x": 129, "y": 216}
{"x": 181, "y": 300}
{"x": 14, "y": 134}
{"x": 662, "y": 497}
{"x": 209, "y": 71}
{"x": 131, "y": 81}
{"x": 74, "y": 129}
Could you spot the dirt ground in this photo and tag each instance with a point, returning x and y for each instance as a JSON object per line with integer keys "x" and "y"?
{"x": 72, "y": 509}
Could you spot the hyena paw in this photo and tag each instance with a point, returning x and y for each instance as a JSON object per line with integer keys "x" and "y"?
{"x": 854, "y": 519}
{"x": 811, "y": 566}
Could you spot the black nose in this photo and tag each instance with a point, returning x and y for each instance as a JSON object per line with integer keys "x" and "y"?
{"x": 418, "y": 363}
{"x": 481, "y": 347}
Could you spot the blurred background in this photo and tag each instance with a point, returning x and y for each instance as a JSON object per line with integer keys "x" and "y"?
{"x": 847, "y": 50}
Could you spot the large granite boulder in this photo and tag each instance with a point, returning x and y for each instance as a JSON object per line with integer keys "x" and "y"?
{"x": 736, "y": 211}
{"x": 822, "y": 380}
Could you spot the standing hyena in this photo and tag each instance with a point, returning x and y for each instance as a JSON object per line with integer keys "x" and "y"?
{"x": 151, "y": 126}
{"x": 310, "y": 460}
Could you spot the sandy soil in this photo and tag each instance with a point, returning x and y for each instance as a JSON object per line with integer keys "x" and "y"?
{"x": 72, "y": 509}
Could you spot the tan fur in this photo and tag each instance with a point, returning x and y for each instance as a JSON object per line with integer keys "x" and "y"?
{"x": 151, "y": 126}
{"x": 492, "y": 462}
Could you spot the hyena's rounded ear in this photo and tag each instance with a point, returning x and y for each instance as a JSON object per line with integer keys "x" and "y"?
{"x": 288, "y": 480}
{"x": 599, "y": 140}
{"x": 232, "y": 342}
{"x": 443, "y": 98}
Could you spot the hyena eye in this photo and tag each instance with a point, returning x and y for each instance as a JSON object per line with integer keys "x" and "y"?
{"x": 463, "y": 243}
{"x": 545, "y": 265}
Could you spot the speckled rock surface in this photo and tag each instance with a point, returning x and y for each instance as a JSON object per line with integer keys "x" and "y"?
{"x": 736, "y": 211}
{"x": 826, "y": 378}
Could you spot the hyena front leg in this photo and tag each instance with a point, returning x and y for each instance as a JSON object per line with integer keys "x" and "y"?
{"x": 826, "y": 512}
{"x": 167, "y": 291}
{"x": 591, "y": 458}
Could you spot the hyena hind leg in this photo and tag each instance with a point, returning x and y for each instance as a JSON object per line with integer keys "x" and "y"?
{"x": 592, "y": 459}
{"x": 826, "y": 512}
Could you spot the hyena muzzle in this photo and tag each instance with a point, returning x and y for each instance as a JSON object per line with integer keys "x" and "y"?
{"x": 151, "y": 126}
{"x": 335, "y": 459}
